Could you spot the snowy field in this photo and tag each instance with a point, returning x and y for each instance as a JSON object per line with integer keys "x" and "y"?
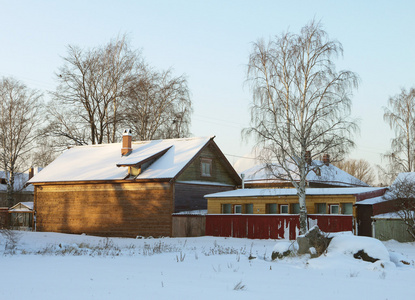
{"x": 58, "y": 266}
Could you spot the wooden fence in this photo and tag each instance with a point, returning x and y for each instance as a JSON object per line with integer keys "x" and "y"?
{"x": 188, "y": 225}
{"x": 272, "y": 226}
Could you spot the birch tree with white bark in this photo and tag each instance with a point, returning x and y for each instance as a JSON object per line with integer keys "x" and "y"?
{"x": 400, "y": 116}
{"x": 301, "y": 105}
{"x": 19, "y": 120}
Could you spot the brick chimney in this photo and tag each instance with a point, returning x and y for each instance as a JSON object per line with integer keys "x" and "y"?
{"x": 31, "y": 172}
{"x": 126, "y": 142}
{"x": 326, "y": 159}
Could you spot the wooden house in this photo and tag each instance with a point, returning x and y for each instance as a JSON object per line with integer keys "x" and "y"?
{"x": 323, "y": 175}
{"x": 129, "y": 189}
{"x": 21, "y": 216}
{"x": 332, "y": 209}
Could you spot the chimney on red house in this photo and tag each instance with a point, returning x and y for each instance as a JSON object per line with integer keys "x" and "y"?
{"x": 126, "y": 142}
{"x": 326, "y": 159}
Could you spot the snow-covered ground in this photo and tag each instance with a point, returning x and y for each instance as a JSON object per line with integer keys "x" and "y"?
{"x": 59, "y": 266}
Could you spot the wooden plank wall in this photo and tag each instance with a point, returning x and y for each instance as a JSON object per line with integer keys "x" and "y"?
{"x": 259, "y": 203}
{"x": 387, "y": 229}
{"x": 189, "y": 225}
{"x": 4, "y": 218}
{"x": 191, "y": 196}
{"x": 271, "y": 226}
{"x": 118, "y": 209}
{"x": 219, "y": 172}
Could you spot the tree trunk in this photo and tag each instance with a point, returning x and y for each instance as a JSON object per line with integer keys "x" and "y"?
{"x": 10, "y": 191}
{"x": 303, "y": 214}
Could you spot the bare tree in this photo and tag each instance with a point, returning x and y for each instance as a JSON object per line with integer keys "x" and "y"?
{"x": 19, "y": 120}
{"x": 158, "y": 105}
{"x": 301, "y": 105}
{"x": 101, "y": 89}
{"x": 400, "y": 115}
{"x": 92, "y": 84}
{"x": 359, "y": 168}
{"x": 402, "y": 191}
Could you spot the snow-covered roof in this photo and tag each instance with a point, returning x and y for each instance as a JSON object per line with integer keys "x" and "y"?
{"x": 389, "y": 215}
{"x": 324, "y": 174}
{"x": 20, "y": 180}
{"x": 198, "y": 212}
{"x": 99, "y": 162}
{"x": 292, "y": 192}
{"x": 372, "y": 201}
{"x": 406, "y": 176}
{"x": 22, "y": 207}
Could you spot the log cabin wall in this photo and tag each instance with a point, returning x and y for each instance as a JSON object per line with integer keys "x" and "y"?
{"x": 106, "y": 209}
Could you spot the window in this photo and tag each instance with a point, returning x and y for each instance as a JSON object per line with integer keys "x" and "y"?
{"x": 226, "y": 208}
{"x": 271, "y": 208}
{"x": 295, "y": 208}
{"x": 347, "y": 208}
{"x": 283, "y": 209}
{"x": 334, "y": 209}
{"x": 249, "y": 208}
{"x": 206, "y": 167}
{"x": 237, "y": 209}
{"x": 321, "y": 208}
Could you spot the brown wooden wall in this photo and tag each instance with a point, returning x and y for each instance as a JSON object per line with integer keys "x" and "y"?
{"x": 17, "y": 196}
{"x": 4, "y": 217}
{"x": 191, "y": 196}
{"x": 364, "y": 220}
{"x": 189, "y": 225}
{"x": 219, "y": 172}
{"x": 104, "y": 209}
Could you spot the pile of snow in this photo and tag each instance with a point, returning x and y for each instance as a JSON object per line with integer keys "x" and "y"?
{"x": 349, "y": 244}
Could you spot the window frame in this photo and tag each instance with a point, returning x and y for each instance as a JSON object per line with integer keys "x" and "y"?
{"x": 343, "y": 210}
{"x": 334, "y": 205}
{"x": 293, "y": 211}
{"x": 206, "y": 161}
{"x": 318, "y": 210}
{"x": 280, "y": 209}
{"x": 246, "y": 208}
{"x": 234, "y": 209}
{"x": 226, "y": 205}
{"x": 268, "y": 210}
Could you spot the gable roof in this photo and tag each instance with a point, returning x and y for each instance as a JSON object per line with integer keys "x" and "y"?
{"x": 22, "y": 207}
{"x": 327, "y": 175}
{"x": 104, "y": 162}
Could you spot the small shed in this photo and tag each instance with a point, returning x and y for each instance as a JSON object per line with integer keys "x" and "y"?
{"x": 390, "y": 226}
{"x": 21, "y": 216}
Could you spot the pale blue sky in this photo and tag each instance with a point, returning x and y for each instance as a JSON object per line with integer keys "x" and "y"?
{"x": 210, "y": 41}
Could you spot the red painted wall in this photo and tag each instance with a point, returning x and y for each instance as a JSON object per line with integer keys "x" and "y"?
{"x": 271, "y": 226}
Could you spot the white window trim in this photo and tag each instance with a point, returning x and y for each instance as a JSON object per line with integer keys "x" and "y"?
{"x": 234, "y": 209}
{"x": 338, "y": 209}
{"x": 284, "y": 205}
